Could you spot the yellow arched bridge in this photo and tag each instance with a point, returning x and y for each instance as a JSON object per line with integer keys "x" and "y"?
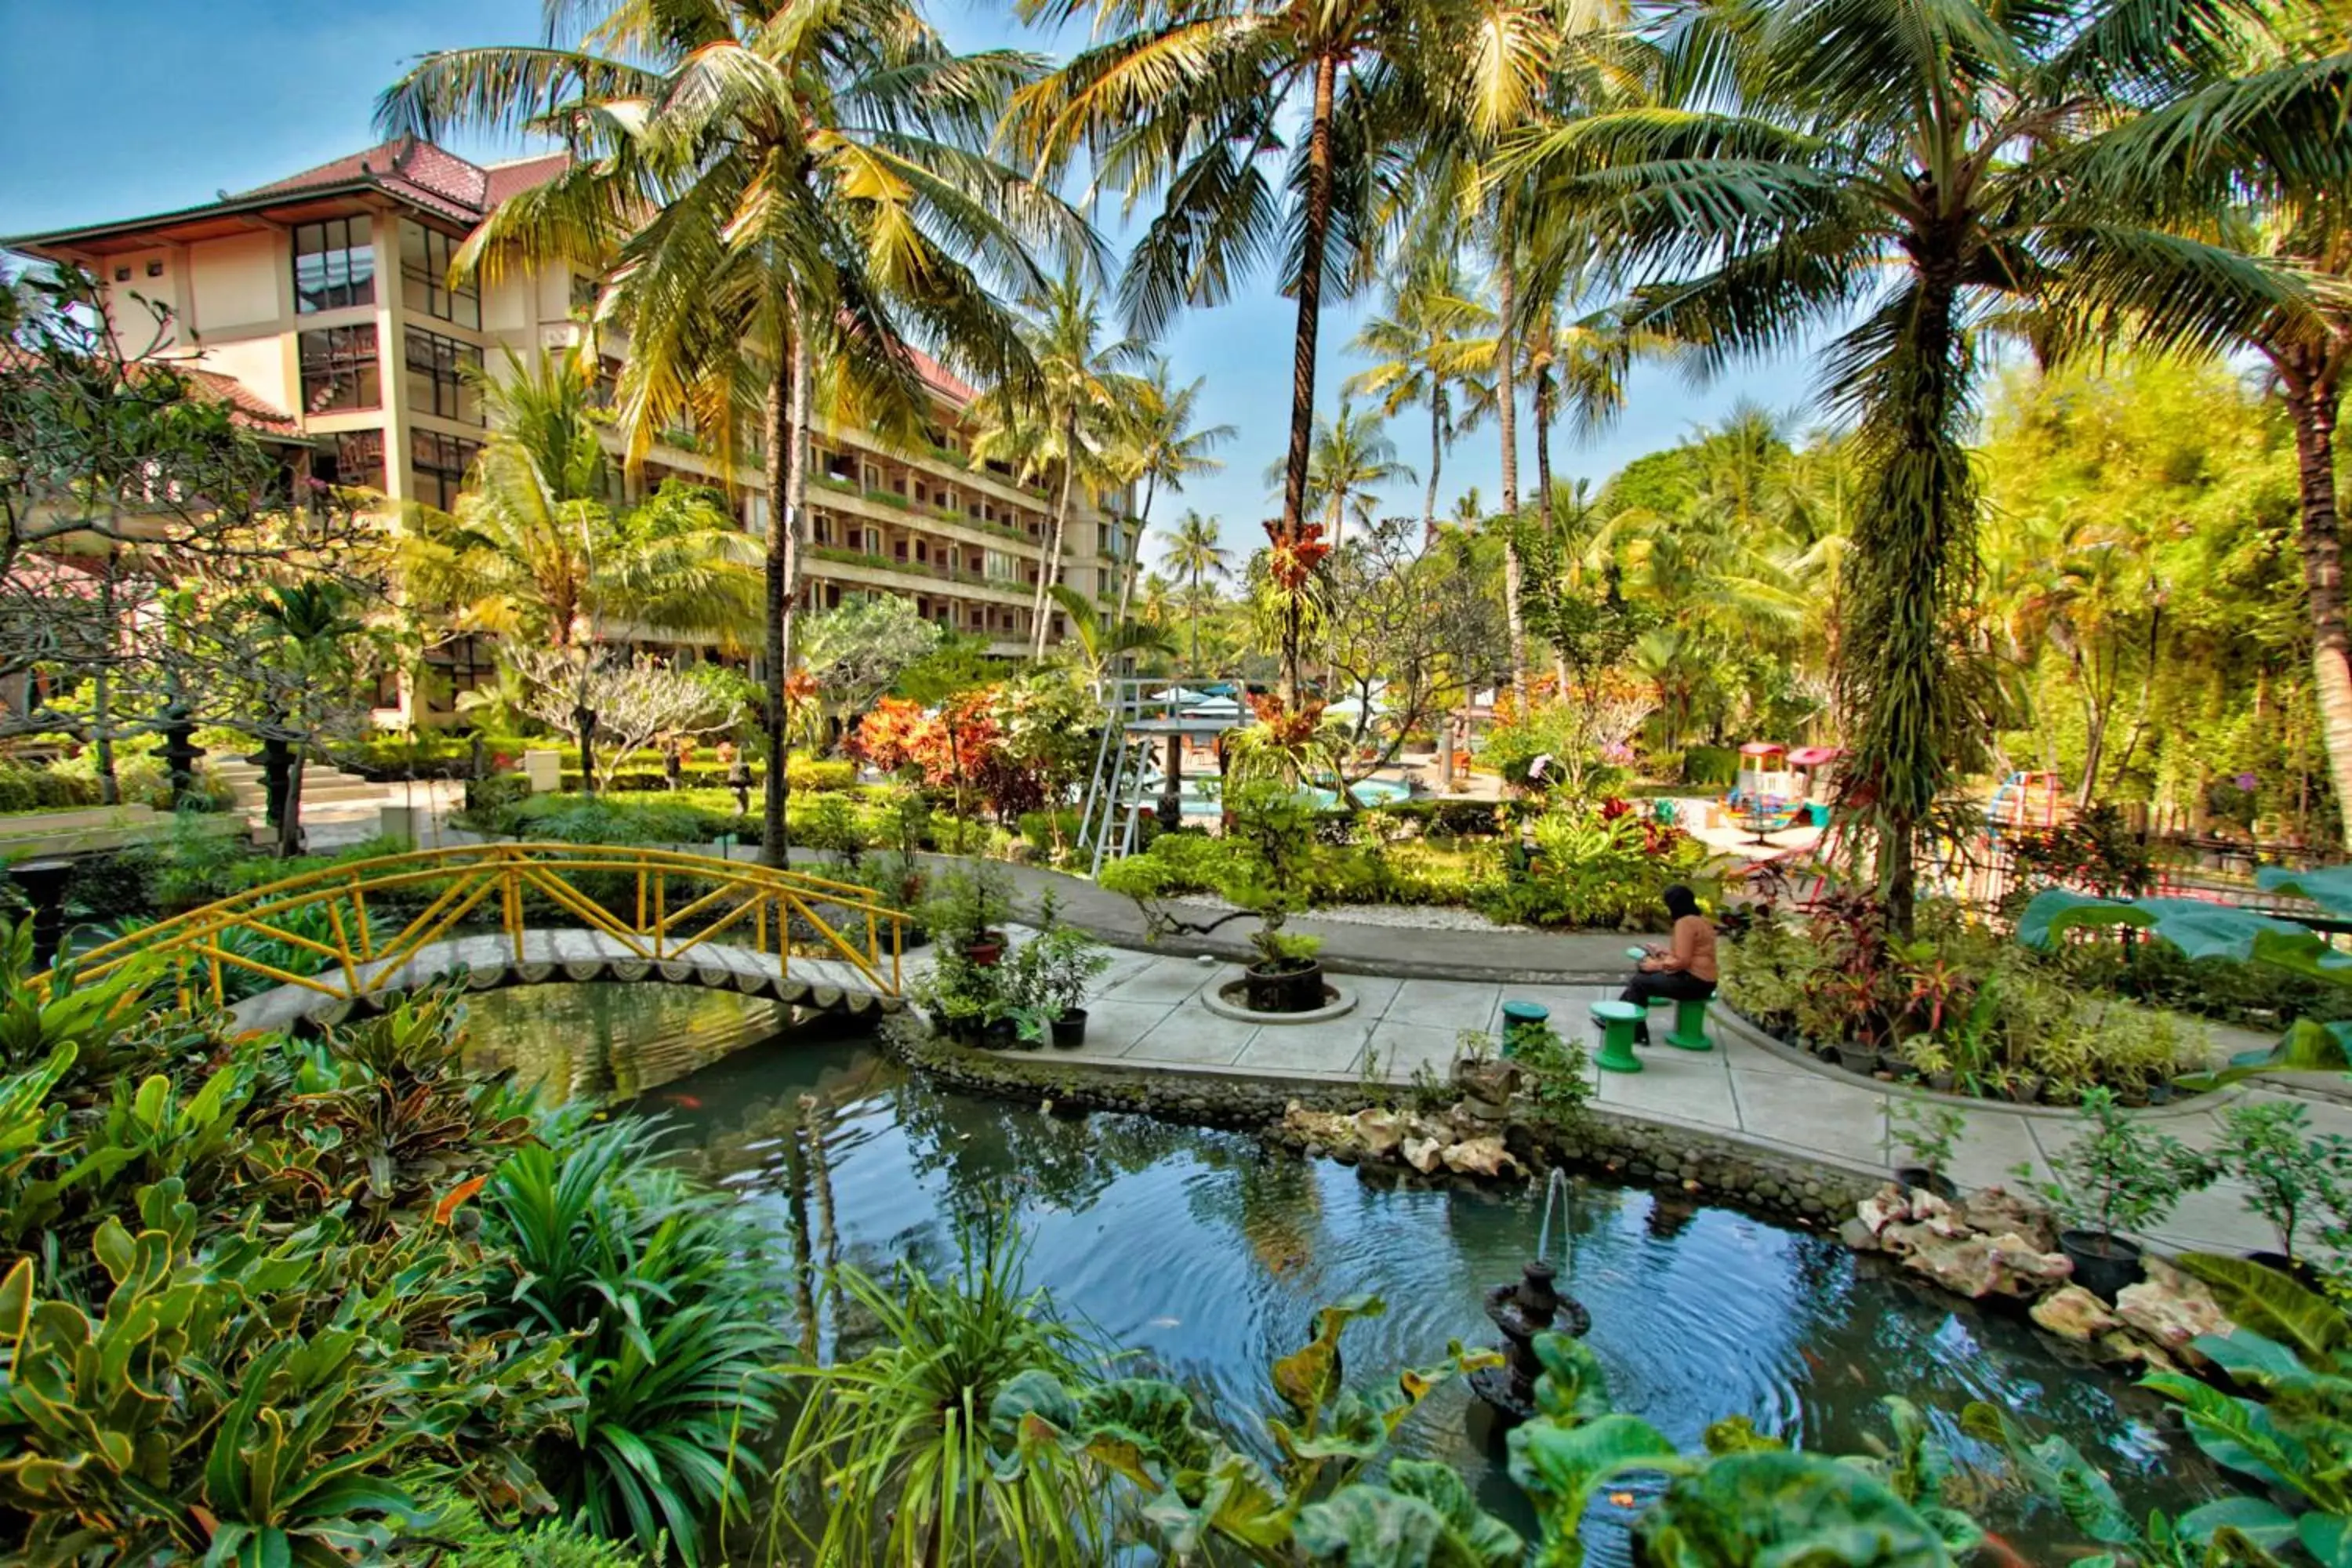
{"x": 348, "y": 936}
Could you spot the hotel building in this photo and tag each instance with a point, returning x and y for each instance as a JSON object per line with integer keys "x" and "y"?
{"x": 320, "y": 304}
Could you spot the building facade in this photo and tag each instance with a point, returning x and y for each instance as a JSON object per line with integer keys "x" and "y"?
{"x": 322, "y": 302}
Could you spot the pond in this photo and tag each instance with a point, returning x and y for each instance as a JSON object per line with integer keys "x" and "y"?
{"x": 1207, "y": 1253}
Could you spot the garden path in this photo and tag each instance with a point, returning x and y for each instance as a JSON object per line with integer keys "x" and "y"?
{"x": 1146, "y": 1013}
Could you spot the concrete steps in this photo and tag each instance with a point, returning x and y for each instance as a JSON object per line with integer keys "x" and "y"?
{"x": 322, "y": 785}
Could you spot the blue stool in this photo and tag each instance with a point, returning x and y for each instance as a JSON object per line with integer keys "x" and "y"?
{"x": 1520, "y": 1019}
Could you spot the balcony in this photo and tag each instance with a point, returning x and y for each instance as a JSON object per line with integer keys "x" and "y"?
{"x": 920, "y": 573}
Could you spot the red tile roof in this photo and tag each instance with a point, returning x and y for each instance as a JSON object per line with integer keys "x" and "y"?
{"x": 938, "y": 377}
{"x": 430, "y": 175}
{"x": 245, "y": 405}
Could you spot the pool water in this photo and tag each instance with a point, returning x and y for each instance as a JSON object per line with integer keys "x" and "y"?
{"x": 1208, "y": 1253}
{"x": 1200, "y": 797}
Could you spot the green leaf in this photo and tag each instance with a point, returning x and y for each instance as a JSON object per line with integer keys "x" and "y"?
{"x": 2259, "y": 1519}
{"x": 1769, "y": 1509}
{"x": 2274, "y": 1305}
{"x": 1308, "y": 1378}
{"x": 2327, "y": 1536}
{"x": 1574, "y": 1385}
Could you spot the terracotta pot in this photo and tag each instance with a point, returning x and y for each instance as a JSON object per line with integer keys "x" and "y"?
{"x": 986, "y": 950}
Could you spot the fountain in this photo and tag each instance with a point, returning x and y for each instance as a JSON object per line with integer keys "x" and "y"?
{"x": 1531, "y": 1306}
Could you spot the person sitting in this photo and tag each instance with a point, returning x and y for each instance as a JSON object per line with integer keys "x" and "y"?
{"x": 1682, "y": 971}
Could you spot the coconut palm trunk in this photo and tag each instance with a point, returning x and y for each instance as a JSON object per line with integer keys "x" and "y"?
{"x": 2311, "y": 381}
{"x": 1134, "y": 564}
{"x": 1900, "y": 692}
{"x": 1050, "y": 568}
{"x": 785, "y": 414}
{"x": 1506, "y": 340}
{"x": 1436, "y": 457}
{"x": 1314, "y": 236}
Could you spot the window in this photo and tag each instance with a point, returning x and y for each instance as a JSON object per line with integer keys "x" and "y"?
{"x": 999, "y": 567}
{"x": 424, "y": 277}
{"x": 438, "y": 465}
{"x": 461, "y": 665}
{"x": 355, "y": 461}
{"x": 437, "y": 382}
{"x": 334, "y": 265}
{"x": 338, "y": 369}
{"x": 585, "y": 291}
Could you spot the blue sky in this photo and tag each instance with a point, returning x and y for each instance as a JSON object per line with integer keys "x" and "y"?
{"x": 226, "y": 94}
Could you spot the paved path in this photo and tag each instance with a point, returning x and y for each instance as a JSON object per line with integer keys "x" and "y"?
{"x": 1147, "y": 1012}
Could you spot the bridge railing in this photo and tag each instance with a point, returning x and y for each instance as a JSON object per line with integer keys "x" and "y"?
{"x": 659, "y": 904}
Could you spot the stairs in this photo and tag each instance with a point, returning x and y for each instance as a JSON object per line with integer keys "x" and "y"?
{"x": 322, "y": 785}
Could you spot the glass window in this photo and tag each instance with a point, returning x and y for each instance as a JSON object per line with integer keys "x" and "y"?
{"x": 438, "y": 464}
{"x": 440, "y": 377}
{"x": 1000, "y": 567}
{"x": 424, "y": 277}
{"x": 585, "y": 291}
{"x": 338, "y": 369}
{"x": 353, "y": 461}
{"x": 334, "y": 265}
{"x": 461, "y": 665}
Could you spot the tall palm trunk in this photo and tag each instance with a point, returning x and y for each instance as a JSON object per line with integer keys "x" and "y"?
{"x": 1135, "y": 557}
{"x": 2311, "y": 380}
{"x": 1507, "y": 413}
{"x": 1911, "y": 538}
{"x": 787, "y": 416}
{"x": 1314, "y": 239}
{"x": 1436, "y": 457}
{"x": 1196, "y": 619}
{"x": 1050, "y": 568}
{"x": 1545, "y": 399}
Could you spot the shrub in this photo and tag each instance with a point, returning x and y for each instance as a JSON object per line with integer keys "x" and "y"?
{"x": 1710, "y": 767}
{"x": 485, "y": 798}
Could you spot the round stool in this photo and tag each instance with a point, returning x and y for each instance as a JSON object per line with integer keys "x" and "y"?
{"x": 1520, "y": 1019}
{"x": 1689, "y": 1032}
{"x": 1616, "y": 1021}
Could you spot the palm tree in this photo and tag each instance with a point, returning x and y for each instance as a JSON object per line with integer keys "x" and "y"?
{"x": 1095, "y": 639}
{"x": 1752, "y": 227}
{"x": 1194, "y": 101}
{"x": 1195, "y": 552}
{"x": 534, "y": 549}
{"x": 1417, "y": 343}
{"x": 1350, "y": 457}
{"x": 761, "y": 182}
{"x": 1064, "y": 420}
{"x": 1161, "y": 448}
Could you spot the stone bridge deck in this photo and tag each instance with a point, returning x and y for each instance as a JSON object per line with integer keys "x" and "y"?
{"x": 486, "y": 962}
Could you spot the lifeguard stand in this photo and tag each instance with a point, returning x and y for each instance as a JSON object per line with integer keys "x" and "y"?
{"x": 1175, "y": 719}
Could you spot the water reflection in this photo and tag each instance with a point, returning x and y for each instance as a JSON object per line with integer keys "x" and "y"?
{"x": 1207, "y": 1253}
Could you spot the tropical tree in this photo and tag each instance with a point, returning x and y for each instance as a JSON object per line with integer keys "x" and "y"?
{"x": 1417, "y": 343}
{"x": 535, "y": 551}
{"x": 1939, "y": 195}
{"x": 1265, "y": 130}
{"x": 1064, "y": 420}
{"x": 1352, "y": 457}
{"x": 1195, "y": 554}
{"x": 1095, "y": 639}
{"x": 1160, "y": 447}
{"x": 759, "y": 183}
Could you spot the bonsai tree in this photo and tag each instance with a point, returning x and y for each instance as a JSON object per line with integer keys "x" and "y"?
{"x": 2287, "y": 1172}
{"x": 2118, "y": 1177}
{"x": 1260, "y": 867}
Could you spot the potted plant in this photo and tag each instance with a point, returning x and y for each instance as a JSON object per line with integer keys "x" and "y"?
{"x": 2115, "y": 1177}
{"x": 967, "y": 909}
{"x": 1926, "y": 1131}
{"x": 1286, "y": 977}
{"x": 1931, "y": 1059}
{"x": 1050, "y": 976}
{"x": 969, "y": 1001}
{"x": 2287, "y": 1172}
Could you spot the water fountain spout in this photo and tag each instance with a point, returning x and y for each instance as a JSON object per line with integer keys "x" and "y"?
{"x": 1532, "y": 1306}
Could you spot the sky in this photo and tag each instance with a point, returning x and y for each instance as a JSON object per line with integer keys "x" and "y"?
{"x": 202, "y": 96}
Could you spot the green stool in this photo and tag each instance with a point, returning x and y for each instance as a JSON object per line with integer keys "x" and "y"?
{"x": 1518, "y": 1018}
{"x": 1689, "y": 1032}
{"x": 1616, "y": 1021}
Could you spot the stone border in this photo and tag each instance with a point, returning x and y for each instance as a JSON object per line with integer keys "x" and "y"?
{"x": 1778, "y": 1183}
{"x": 1212, "y": 998}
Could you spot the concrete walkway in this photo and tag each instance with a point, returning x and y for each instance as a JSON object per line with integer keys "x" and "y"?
{"x": 1147, "y": 1012}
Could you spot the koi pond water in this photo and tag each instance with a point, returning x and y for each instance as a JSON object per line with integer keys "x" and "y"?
{"x": 1206, "y": 1253}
